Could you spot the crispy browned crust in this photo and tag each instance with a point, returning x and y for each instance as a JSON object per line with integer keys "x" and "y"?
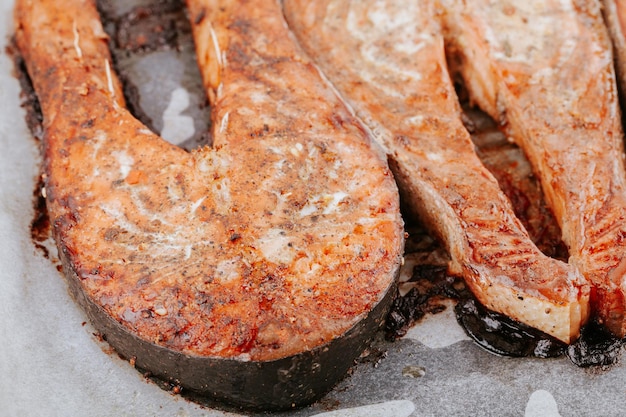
{"x": 254, "y": 272}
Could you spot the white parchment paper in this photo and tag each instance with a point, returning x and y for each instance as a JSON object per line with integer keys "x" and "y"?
{"x": 51, "y": 364}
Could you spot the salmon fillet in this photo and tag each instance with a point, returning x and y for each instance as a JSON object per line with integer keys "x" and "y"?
{"x": 544, "y": 69}
{"x": 390, "y": 66}
{"x": 255, "y": 271}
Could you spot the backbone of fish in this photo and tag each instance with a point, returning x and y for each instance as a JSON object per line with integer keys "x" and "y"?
{"x": 388, "y": 62}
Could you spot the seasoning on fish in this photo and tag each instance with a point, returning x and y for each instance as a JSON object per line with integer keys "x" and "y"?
{"x": 387, "y": 60}
{"x": 255, "y": 271}
{"x": 544, "y": 70}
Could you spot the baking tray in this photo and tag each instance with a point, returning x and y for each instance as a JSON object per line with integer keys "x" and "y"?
{"x": 53, "y": 363}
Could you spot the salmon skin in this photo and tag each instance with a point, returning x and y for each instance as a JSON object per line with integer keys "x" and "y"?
{"x": 544, "y": 70}
{"x": 390, "y": 66}
{"x": 254, "y": 272}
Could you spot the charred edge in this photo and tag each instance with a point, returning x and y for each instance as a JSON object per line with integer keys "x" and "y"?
{"x": 40, "y": 223}
{"x": 433, "y": 284}
{"x": 133, "y": 100}
{"x": 503, "y": 336}
{"x": 145, "y": 28}
{"x": 29, "y": 100}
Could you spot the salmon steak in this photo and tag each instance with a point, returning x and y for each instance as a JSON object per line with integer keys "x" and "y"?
{"x": 544, "y": 70}
{"x": 390, "y": 66}
{"x": 254, "y": 271}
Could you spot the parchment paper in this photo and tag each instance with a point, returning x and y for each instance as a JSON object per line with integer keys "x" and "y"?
{"x": 51, "y": 364}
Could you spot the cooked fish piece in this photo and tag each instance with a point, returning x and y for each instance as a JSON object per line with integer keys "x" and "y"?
{"x": 544, "y": 69}
{"x": 387, "y": 60}
{"x": 255, "y": 271}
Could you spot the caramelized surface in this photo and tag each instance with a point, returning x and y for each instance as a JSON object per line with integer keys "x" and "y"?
{"x": 279, "y": 239}
{"x": 387, "y": 60}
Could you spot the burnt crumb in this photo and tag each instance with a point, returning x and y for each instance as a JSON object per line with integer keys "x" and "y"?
{"x": 329, "y": 404}
{"x": 40, "y": 224}
{"x": 432, "y": 285}
{"x": 87, "y": 124}
{"x": 413, "y": 371}
{"x": 99, "y": 337}
{"x": 144, "y": 29}
{"x": 372, "y": 355}
{"x": 596, "y": 347}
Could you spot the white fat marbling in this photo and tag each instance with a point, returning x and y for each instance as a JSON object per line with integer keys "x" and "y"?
{"x": 125, "y": 162}
{"x": 227, "y": 270}
{"x": 275, "y": 246}
{"x": 79, "y": 52}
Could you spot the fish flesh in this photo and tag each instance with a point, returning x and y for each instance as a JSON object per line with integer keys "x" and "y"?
{"x": 544, "y": 71}
{"x": 254, "y": 271}
{"x": 388, "y": 62}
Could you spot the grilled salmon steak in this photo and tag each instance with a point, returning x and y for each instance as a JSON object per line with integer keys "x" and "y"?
{"x": 391, "y": 67}
{"x": 255, "y": 271}
{"x": 544, "y": 70}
